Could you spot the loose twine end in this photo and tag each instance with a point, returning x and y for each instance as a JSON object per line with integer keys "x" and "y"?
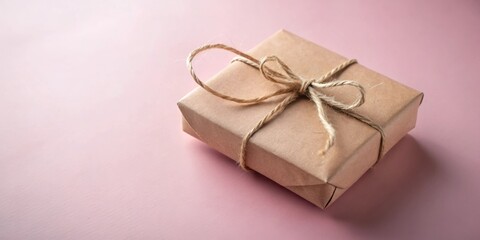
{"x": 328, "y": 145}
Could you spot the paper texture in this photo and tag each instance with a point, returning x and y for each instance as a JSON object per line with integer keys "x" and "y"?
{"x": 286, "y": 149}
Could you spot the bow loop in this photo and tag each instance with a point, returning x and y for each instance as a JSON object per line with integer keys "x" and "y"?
{"x": 277, "y": 77}
{"x": 246, "y": 59}
{"x": 330, "y": 100}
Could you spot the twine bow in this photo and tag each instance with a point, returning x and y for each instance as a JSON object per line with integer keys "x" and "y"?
{"x": 293, "y": 87}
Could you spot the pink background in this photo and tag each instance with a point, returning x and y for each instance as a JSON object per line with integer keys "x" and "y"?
{"x": 90, "y": 139}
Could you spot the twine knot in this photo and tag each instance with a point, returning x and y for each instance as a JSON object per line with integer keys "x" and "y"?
{"x": 304, "y": 86}
{"x": 293, "y": 87}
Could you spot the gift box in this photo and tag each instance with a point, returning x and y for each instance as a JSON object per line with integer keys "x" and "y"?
{"x": 288, "y": 149}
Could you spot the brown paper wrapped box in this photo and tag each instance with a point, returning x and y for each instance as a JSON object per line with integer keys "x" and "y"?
{"x": 286, "y": 150}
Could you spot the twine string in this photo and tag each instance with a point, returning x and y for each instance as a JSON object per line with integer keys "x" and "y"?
{"x": 293, "y": 86}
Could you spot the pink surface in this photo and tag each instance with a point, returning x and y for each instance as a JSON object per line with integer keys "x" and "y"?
{"x": 90, "y": 139}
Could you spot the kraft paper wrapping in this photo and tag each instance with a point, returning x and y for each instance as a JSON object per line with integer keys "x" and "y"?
{"x": 286, "y": 150}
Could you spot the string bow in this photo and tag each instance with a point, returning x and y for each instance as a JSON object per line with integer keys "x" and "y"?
{"x": 293, "y": 86}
